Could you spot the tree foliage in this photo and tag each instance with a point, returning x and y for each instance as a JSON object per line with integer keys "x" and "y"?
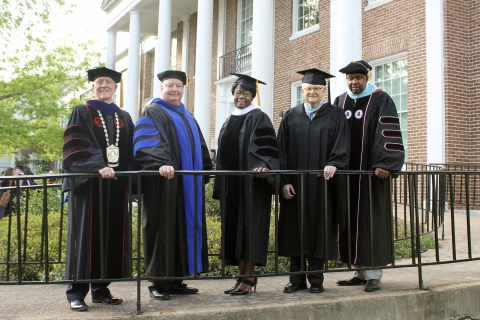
{"x": 36, "y": 80}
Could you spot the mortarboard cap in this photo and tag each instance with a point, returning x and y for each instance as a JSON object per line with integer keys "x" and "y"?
{"x": 104, "y": 72}
{"x": 359, "y": 66}
{"x": 173, "y": 74}
{"x": 252, "y": 80}
{"x": 315, "y": 76}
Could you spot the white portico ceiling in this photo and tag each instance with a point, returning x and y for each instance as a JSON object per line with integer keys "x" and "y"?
{"x": 120, "y": 14}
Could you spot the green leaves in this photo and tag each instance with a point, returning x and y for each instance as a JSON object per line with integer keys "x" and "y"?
{"x": 37, "y": 83}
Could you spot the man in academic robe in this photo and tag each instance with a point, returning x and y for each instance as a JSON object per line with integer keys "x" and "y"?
{"x": 312, "y": 136}
{"x": 376, "y": 145}
{"x": 98, "y": 138}
{"x": 167, "y": 138}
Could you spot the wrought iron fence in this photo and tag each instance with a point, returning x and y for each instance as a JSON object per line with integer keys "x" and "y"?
{"x": 424, "y": 203}
{"x": 235, "y": 61}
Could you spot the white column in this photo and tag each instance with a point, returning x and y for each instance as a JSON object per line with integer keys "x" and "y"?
{"x": 162, "y": 50}
{"x": 348, "y": 27}
{"x": 263, "y": 50}
{"x": 334, "y": 91}
{"x": 111, "y": 49}
{"x": 203, "y": 67}
{"x": 186, "y": 29}
{"x": 132, "y": 103}
{"x": 435, "y": 81}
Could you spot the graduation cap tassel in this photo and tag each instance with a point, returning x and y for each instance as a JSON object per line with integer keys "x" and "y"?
{"x": 258, "y": 93}
{"x": 186, "y": 81}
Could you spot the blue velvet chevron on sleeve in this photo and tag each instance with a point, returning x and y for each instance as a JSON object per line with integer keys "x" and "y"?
{"x": 146, "y": 135}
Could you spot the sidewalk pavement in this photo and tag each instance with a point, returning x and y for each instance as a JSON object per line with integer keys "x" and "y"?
{"x": 453, "y": 292}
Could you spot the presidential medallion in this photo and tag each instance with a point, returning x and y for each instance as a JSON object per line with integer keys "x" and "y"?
{"x": 113, "y": 154}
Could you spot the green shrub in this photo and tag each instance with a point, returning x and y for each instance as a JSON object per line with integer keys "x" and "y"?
{"x": 33, "y": 242}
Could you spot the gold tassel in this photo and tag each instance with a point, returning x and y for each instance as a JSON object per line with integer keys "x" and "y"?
{"x": 186, "y": 81}
{"x": 258, "y": 93}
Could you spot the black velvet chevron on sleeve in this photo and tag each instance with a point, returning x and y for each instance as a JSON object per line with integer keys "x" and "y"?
{"x": 266, "y": 142}
{"x": 76, "y": 145}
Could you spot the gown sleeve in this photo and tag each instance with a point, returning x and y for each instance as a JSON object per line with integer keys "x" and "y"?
{"x": 151, "y": 148}
{"x": 340, "y": 153}
{"x": 388, "y": 150}
{"x": 283, "y": 146}
{"x": 81, "y": 150}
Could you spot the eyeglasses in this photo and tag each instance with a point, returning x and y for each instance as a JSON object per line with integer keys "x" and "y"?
{"x": 245, "y": 94}
{"x": 104, "y": 81}
{"x": 316, "y": 89}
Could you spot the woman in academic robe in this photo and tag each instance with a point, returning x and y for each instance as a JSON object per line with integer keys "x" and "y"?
{"x": 247, "y": 143}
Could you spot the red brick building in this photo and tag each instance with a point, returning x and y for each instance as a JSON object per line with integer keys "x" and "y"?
{"x": 425, "y": 53}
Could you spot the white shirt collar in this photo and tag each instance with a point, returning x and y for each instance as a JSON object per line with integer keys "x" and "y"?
{"x": 241, "y": 112}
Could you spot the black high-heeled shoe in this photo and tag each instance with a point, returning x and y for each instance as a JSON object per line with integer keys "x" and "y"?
{"x": 239, "y": 281}
{"x": 253, "y": 285}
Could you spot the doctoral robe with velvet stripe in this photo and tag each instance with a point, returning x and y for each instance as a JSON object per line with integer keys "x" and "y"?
{"x": 305, "y": 144}
{"x": 164, "y": 216}
{"x": 376, "y": 142}
{"x": 84, "y": 151}
{"x": 246, "y": 142}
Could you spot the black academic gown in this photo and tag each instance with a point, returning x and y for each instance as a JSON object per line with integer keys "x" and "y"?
{"x": 84, "y": 151}
{"x": 305, "y": 144}
{"x": 163, "y": 215}
{"x": 376, "y": 143}
{"x": 246, "y": 142}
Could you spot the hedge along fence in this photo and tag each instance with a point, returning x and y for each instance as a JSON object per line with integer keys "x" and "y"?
{"x": 34, "y": 253}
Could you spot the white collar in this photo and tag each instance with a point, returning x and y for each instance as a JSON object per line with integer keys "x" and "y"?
{"x": 241, "y": 112}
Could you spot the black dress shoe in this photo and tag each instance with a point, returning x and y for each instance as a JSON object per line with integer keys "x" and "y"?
{"x": 157, "y": 295}
{"x": 351, "y": 282}
{"x": 316, "y": 288}
{"x": 372, "y": 285}
{"x": 294, "y": 287}
{"x": 78, "y": 305}
{"x": 106, "y": 299}
{"x": 183, "y": 289}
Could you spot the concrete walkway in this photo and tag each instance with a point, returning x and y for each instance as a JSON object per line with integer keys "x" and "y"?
{"x": 454, "y": 293}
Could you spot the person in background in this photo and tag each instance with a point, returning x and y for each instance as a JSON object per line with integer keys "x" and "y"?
{"x": 377, "y": 145}
{"x": 246, "y": 142}
{"x": 7, "y": 183}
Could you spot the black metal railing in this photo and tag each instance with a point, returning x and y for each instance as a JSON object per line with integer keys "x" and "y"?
{"x": 32, "y": 236}
{"x": 235, "y": 61}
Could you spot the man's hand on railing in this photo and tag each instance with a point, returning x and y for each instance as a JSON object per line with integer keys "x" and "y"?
{"x": 328, "y": 172}
{"x": 260, "y": 169}
{"x": 381, "y": 173}
{"x": 288, "y": 192}
{"x": 166, "y": 171}
{"x": 107, "y": 173}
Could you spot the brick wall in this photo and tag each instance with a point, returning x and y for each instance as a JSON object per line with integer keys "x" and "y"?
{"x": 147, "y": 76}
{"x": 397, "y": 27}
{"x": 474, "y": 78}
{"x": 179, "y": 45}
{"x": 309, "y": 51}
{"x": 192, "y": 42}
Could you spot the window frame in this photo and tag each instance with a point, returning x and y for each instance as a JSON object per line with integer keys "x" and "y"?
{"x": 300, "y": 33}
{"x": 293, "y": 93}
{"x": 372, "y": 4}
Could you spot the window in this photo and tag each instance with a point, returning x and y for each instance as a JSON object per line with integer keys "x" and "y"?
{"x": 392, "y": 77}
{"x": 246, "y": 22}
{"x": 173, "y": 51}
{"x": 305, "y": 17}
